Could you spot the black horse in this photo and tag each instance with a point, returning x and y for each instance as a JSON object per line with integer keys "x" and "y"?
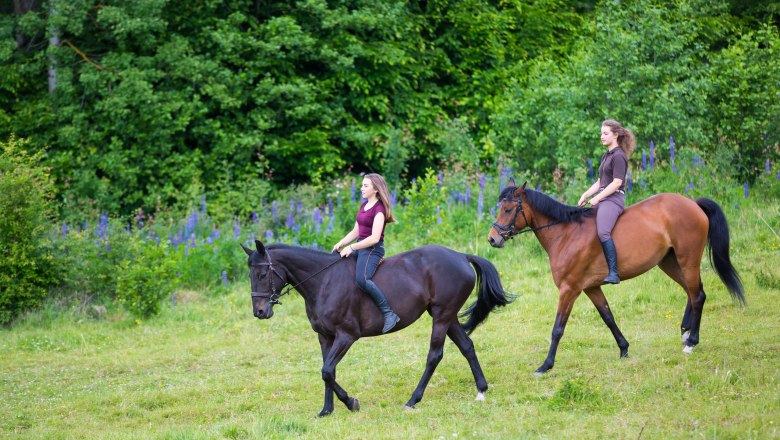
{"x": 431, "y": 278}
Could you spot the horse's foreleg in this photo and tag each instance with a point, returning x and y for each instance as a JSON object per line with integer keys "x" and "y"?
{"x": 565, "y": 302}
{"x": 685, "y": 325}
{"x": 435, "y": 353}
{"x": 325, "y": 344}
{"x": 598, "y": 299}
{"x": 338, "y": 349}
{"x": 466, "y": 347}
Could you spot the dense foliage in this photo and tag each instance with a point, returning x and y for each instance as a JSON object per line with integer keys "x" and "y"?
{"x": 26, "y": 269}
{"x": 144, "y": 103}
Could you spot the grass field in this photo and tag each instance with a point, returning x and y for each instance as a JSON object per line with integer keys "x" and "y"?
{"x": 207, "y": 369}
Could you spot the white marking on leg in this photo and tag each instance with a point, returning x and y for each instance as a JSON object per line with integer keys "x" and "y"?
{"x": 688, "y": 349}
{"x": 685, "y": 336}
{"x": 480, "y": 396}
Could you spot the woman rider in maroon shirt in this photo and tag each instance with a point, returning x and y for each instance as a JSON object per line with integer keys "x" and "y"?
{"x": 370, "y": 246}
{"x": 609, "y": 189}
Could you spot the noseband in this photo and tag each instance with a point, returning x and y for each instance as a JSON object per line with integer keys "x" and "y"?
{"x": 509, "y": 231}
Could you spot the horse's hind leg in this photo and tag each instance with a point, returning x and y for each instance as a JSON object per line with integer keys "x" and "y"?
{"x": 466, "y": 347}
{"x": 338, "y": 349}
{"x": 689, "y": 278}
{"x": 598, "y": 299}
{"x": 435, "y": 353}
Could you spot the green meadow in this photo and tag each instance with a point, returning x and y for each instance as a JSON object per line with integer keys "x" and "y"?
{"x": 206, "y": 368}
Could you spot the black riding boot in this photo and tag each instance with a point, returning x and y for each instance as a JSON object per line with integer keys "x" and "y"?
{"x": 391, "y": 319}
{"x": 611, "y": 254}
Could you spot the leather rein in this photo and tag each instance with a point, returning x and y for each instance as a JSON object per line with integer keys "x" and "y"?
{"x": 273, "y": 297}
{"x": 509, "y": 231}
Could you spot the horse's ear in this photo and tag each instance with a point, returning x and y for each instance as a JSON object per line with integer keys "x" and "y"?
{"x": 260, "y": 247}
{"x": 523, "y": 187}
{"x": 512, "y": 181}
{"x": 246, "y": 249}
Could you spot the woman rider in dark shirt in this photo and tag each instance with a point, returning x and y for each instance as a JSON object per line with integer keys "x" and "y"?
{"x": 608, "y": 193}
{"x": 370, "y": 232}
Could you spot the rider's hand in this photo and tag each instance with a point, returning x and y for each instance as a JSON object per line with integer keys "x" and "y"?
{"x": 346, "y": 252}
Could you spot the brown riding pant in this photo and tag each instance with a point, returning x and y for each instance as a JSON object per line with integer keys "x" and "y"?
{"x": 607, "y": 212}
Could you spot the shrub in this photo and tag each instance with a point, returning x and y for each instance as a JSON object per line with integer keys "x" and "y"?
{"x": 146, "y": 278}
{"x": 25, "y": 198}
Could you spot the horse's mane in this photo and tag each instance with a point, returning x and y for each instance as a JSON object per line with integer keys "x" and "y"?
{"x": 549, "y": 206}
{"x": 312, "y": 253}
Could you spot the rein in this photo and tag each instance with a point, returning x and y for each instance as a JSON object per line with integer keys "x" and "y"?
{"x": 510, "y": 231}
{"x": 273, "y": 297}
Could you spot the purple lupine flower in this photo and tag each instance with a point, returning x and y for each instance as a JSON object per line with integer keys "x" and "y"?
{"x": 480, "y": 203}
{"x": 629, "y": 182}
{"x": 353, "y": 192}
{"x": 590, "y": 170}
{"x": 767, "y": 167}
{"x": 493, "y": 212}
{"x": 393, "y": 199}
{"x": 290, "y": 221}
{"x": 251, "y": 237}
{"x": 689, "y": 187}
{"x": 482, "y": 181}
{"x": 299, "y": 207}
{"x": 697, "y": 162}
{"x": 275, "y": 212}
{"x": 254, "y": 217}
{"x": 438, "y": 215}
{"x": 317, "y": 217}
{"x": 652, "y": 154}
{"x": 269, "y": 235}
{"x": 644, "y": 160}
{"x": 441, "y": 177}
{"x": 236, "y": 229}
{"x": 64, "y": 229}
{"x": 224, "y": 279}
{"x": 745, "y": 189}
{"x": 108, "y": 247}
{"x": 330, "y": 205}
{"x": 468, "y": 194}
{"x": 777, "y": 176}
{"x": 209, "y": 240}
{"x": 329, "y": 228}
{"x": 671, "y": 154}
{"x": 193, "y": 241}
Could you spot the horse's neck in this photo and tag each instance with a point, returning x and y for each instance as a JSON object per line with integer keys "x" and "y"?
{"x": 553, "y": 239}
{"x": 301, "y": 270}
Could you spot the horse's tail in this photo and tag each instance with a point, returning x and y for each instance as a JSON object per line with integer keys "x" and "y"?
{"x": 490, "y": 294}
{"x": 718, "y": 249}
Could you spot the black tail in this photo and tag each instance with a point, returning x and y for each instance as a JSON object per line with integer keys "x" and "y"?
{"x": 490, "y": 294}
{"x": 718, "y": 250}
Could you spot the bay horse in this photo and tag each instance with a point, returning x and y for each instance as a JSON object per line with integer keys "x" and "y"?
{"x": 429, "y": 278}
{"x": 666, "y": 230}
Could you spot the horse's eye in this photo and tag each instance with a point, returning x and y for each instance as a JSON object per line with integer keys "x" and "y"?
{"x": 507, "y": 210}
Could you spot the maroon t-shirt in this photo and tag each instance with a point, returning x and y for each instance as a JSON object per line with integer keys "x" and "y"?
{"x": 365, "y": 219}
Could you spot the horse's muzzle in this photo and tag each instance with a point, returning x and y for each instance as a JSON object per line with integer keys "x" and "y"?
{"x": 496, "y": 242}
{"x": 263, "y": 314}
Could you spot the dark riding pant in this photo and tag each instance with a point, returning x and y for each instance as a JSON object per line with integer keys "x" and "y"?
{"x": 607, "y": 213}
{"x": 367, "y": 261}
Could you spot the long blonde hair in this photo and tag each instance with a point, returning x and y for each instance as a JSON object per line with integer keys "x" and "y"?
{"x": 382, "y": 194}
{"x": 625, "y": 137}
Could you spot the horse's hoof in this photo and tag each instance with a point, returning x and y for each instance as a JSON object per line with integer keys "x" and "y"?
{"x": 354, "y": 404}
{"x": 480, "y": 396}
{"x": 685, "y": 336}
{"x": 324, "y": 413}
{"x": 409, "y": 408}
{"x": 688, "y": 349}
{"x": 624, "y": 354}
{"x": 538, "y": 373}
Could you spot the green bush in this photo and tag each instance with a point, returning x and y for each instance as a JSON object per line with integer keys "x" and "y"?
{"x": 25, "y": 199}
{"x": 146, "y": 278}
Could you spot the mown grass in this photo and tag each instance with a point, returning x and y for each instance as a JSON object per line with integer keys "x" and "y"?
{"x": 205, "y": 368}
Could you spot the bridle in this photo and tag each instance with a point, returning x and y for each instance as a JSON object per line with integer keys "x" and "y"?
{"x": 273, "y": 297}
{"x": 509, "y": 232}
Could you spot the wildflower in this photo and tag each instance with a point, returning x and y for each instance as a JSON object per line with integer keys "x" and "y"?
{"x": 767, "y": 167}
{"x": 745, "y": 189}
{"x": 644, "y": 160}
{"x": 254, "y": 217}
{"x": 290, "y": 223}
{"x": 330, "y": 204}
{"x": 224, "y": 279}
{"x": 64, "y": 229}
{"x": 468, "y": 194}
{"x": 269, "y": 235}
{"x": 590, "y": 170}
{"x": 393, "y": 199}
{"x": 480, "y": 203}
{"x": 652, "y": 154}
{"x": 482, "y": 181}
{"x": 275, "y": 212}
{"x": 236, "y": 229}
